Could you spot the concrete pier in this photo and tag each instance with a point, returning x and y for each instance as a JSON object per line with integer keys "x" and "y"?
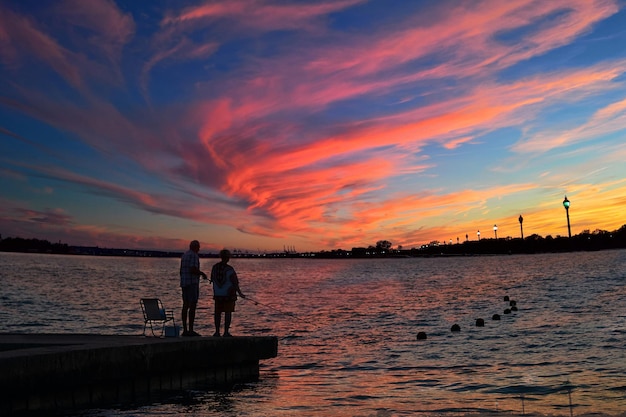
{"x": 45, "y": 372}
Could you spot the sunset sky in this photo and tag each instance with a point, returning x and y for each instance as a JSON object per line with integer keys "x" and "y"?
{"x": 314, "y": 125}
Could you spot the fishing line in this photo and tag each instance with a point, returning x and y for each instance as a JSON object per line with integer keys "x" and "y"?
{"x": 277, "y": 310}
{"x": 257, "y": 302}
{"x": 286, "y": 313}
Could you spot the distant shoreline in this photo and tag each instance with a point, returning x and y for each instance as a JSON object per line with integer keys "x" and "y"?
{"x": 132, "y": 253}
{"x": 585, "y": 241}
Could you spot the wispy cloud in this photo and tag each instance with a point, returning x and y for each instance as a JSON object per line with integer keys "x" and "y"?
{"x": 259, "y": 15}
{"x": 23, "y": 39}
{"x": 107, "y": 28}
{"x": 607, "y": 120}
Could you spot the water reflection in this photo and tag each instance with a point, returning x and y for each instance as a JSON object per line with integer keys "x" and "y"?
{"x": 347, "y": 329}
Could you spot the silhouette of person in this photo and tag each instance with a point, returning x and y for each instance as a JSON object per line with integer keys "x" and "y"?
{"x": 225, "y": 290}
{"x": 190, "y": 284}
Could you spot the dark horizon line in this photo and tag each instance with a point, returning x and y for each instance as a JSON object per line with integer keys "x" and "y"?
{"x": 586, "y": 240}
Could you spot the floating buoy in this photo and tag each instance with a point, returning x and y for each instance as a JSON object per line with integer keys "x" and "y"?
{"x": 480, "y": 323}
{"x": 421, "y": 336}
{"x": 506, "y": 298}
{"x": 507, "y": 311}
{"x": 495, "y": 317}
{"x": 455, "y": 328}
{"x": 513, "y": 303}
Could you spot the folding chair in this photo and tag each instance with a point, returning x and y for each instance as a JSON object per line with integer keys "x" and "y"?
{"x": 155, "y": 314}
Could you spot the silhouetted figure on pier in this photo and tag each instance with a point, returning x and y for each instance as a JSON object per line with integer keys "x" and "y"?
{"x": 225, "y": 290}
{"x": 190, "y": 274}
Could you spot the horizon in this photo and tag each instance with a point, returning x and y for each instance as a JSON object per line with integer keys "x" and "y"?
{"x": 599, "y": 235}
{"x": 310, "y": 124}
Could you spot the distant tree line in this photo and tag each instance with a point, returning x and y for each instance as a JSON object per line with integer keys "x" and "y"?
{"x": 18, "y": 244}
{"x": 585, "y": 241}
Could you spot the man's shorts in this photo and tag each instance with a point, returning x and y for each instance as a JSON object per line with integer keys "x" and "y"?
{"x": 224, "y": 305}
{"x": 191, "y": 293}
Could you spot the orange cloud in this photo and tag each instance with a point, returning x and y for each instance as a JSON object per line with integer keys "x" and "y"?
{"x": 267, "y": 173}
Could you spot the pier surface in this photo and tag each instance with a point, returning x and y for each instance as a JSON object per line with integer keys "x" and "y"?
{"x": 67, "y": 371}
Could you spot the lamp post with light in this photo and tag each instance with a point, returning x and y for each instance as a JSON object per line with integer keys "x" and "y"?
{"x": 566, "y": 205}
{"x": 521, "y": 228}
{"x": 495, "y": 230}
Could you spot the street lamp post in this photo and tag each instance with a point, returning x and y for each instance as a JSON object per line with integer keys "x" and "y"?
{"x": 495, "y": 230}
{"x": 478, "y": 234}
{"x": 521, "y": 228}
{"x": 566, "y": 205}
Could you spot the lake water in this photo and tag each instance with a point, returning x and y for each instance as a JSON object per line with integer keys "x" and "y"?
{"x": 347, "y": 330}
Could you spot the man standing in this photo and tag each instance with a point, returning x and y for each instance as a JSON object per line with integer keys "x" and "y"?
{"x": 225, "y": 290}
{"x": 190, "y": 283}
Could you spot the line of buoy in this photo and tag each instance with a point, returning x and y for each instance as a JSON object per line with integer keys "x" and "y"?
{"x": 479, "y": 322}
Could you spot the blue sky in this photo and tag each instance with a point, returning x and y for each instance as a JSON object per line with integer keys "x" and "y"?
{"x": 257, "y": 125}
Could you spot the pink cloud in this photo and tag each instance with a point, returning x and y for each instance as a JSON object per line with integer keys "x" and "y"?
{"x": 346, "y": 71}
{"x": 184, "y": 50}
{"x": 108, "y": 27}
{"x": 22, "y": 37}
{"x": 455, "y": 143}
{"x": 51, "y": 216}
{"x": 76, "y": 58}
{"x": 466, "y": 38}
{"x": 56, "y": 225}
{"x": 185, "y": 203}
{"x": 259, "y": 14}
